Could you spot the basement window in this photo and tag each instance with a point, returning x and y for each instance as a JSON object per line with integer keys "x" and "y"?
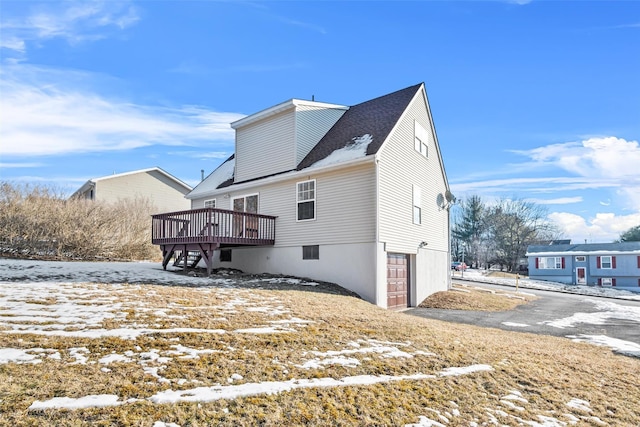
{"x": 311, "y": 252}
{"x": 225, "y": 255}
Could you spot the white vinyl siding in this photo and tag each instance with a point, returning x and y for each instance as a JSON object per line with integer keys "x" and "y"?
{"x": 399, "y": 169}
{"x": 421, "y": 139}
{"x": 266, "y": 147}
{"x": 345, "y": 208}
{"x": 311, "y": 124}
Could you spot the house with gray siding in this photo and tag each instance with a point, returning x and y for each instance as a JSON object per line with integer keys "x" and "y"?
{"x": 594, "y": 264}
{"x": 355, "y": 195}
{"x": 166, "y": 192}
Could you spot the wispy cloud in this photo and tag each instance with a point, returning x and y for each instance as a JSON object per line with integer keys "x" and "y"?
{"x": 557, "y": 201}
{"x": 533, "y": 185}
{"x": 45, "y": 112}
{"x": 74, "y": 21}
{"x": 20, "y": 165}
{"x": 202, "y": 155}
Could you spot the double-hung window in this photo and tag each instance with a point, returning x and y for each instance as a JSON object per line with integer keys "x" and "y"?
{"x": 605, "y": 262}
{"x": 306, "y": 200}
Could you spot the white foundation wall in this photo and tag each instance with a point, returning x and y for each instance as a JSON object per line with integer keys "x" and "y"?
{"x": 431, "y": 274}
{"x": 351, "y": 266}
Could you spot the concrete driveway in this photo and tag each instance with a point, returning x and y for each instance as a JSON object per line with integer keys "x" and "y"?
{"x": 604, "y": 321}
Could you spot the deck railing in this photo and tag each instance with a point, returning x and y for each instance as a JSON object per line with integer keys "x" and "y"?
{"x": 209, "y": 225}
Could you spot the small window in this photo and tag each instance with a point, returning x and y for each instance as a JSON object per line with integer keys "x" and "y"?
{"x": 417, "y": 205}
{"x": 581, "y": 259}
{"x": 421, "y": 147}
{"x": 210, "y": 203}
{"x": 421, "y": 138}
{"x": 606, "y": 281}
{"x": 225, "y": 255}
{"x": 605, "y": 262}
{"x": 311, "y": 252}
{"x": 306, "y": 200}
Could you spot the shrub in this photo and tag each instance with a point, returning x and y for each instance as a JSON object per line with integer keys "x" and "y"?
{"x": 39, "y": 222}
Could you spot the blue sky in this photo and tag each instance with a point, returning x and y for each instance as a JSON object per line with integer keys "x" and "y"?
{"x": 538, "y": 100}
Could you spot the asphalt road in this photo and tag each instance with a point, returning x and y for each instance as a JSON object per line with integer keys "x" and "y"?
{"x": 554, "y": 313}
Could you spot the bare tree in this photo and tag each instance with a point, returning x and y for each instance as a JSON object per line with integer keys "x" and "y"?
{"x": 514, "y": 224}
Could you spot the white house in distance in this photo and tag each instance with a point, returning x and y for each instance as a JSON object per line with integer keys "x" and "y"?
{"x": 355, "y": 195}
{"x": 165, "y": 191}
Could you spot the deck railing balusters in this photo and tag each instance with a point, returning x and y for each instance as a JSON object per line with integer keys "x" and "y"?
{"x": 210, "y": 225}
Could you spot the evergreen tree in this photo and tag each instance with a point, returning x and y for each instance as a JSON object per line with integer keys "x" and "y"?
{"x": 631, "y": 235}
{"x": 469, "y": 230}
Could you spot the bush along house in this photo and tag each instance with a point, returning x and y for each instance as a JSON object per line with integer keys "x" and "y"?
{"x": 353, "y": 195}
{"x": 595, "y": 264}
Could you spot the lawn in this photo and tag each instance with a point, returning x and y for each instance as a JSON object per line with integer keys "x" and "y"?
{"x": 270, "y": 351}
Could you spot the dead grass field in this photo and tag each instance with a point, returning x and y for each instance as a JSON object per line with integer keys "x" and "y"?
{"x": 463, "y": 297}
{"x": 532, "y": 379}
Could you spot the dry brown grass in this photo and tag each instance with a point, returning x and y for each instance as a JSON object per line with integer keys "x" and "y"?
{"x": 463, "y": 297}
{"x": 39, "y": 222}
{"x": 547, "y": 371}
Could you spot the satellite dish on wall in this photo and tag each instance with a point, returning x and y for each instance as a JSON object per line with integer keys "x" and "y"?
{"x": 449, "y": 196}
{"x": 440, "y": 201}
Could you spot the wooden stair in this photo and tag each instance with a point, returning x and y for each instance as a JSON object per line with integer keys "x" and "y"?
{"x": 191, "y": 260}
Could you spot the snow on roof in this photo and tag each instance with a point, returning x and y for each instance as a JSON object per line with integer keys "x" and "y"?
{"x": 223, "y": 173}
{"x": 354, "y": 150}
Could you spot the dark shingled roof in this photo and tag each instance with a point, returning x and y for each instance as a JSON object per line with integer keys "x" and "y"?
{"x": 375, "y": 117}
{"x": 586, "y": 247}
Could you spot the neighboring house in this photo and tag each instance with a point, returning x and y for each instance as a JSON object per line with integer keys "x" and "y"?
{"x": 352, "y": 195}
{"x": 601, "y": 264}
{"x": 166, "y": 192}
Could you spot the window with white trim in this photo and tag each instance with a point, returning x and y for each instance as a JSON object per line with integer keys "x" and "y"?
{"x": 210, "y": 203}
{"x": 605, "y": 262}
{"x": 417, "y": 205}
{"x": 421, "y": 138}
{"x": 550, "y": 263}
{"x": 306, "y": 200}
{"x": 606, "y": 281}
{"x": 581, "y": 258}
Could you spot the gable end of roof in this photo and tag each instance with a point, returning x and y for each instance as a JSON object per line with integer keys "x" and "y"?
{"x": 376, "y": 118}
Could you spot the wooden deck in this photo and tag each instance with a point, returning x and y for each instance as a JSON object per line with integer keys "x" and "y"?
{"x": 205, "y": 230}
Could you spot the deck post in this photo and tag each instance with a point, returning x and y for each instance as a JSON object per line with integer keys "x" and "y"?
{"x": 185, "y": 258}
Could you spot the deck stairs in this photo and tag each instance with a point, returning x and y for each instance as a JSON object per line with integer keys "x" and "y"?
{"x": 192, "y": 259}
